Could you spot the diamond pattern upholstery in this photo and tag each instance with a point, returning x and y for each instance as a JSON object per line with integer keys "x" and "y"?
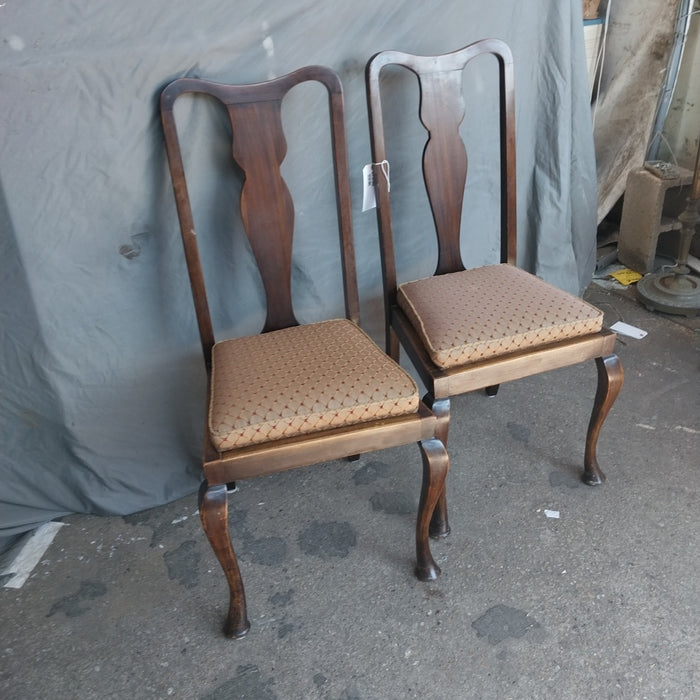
{"x": 476, "y": 314}
{"x": 300, "y": 380}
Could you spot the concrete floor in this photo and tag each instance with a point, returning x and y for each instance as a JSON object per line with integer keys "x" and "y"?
{"x": 603, "y": 602}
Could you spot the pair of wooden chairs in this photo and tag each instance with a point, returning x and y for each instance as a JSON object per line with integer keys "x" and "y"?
{"x": 295, "y": 395}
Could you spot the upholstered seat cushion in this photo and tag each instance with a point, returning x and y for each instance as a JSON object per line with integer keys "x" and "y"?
{"x": 302, "y": 380}
{"x": 464, "y": 317}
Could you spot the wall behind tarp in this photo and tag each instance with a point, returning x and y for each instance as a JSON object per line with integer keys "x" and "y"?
{"x": 640, "y": 40}
{"x": 682, "y": 127}
{"x": 102, "y": 380}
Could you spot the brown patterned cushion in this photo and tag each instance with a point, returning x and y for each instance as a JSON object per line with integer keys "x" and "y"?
{"x": 302, "y": 380}
{"x": 493, "y": 310}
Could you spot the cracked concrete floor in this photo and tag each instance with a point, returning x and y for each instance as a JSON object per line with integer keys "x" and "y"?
{"x": 601, "y": 602}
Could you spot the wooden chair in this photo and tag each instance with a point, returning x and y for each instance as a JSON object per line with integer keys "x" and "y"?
{"x": 293, "y": 395}
{"x": 477, "y": 328}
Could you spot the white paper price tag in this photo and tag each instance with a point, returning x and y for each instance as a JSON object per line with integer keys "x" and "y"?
{"x": 369, "y": 200}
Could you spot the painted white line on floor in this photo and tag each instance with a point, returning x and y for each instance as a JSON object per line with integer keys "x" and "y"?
{"x": 30, "y": 555}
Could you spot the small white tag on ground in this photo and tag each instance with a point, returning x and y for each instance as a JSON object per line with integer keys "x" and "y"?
{"x": 630, "y": 331}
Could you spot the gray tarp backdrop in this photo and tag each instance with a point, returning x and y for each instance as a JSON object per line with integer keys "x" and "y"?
{"x": 102, "y": 379}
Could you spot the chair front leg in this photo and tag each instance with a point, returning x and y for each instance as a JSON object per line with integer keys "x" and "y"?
{"x": 610, "y": 378}
{"x": 436, "y": 464}
{"x": 213, "y": 512}
{"x": 439, "y": 524}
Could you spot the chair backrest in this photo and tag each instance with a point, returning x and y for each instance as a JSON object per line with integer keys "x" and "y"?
{"x": 441, "y": 111}
{"x": 259, "y": 148}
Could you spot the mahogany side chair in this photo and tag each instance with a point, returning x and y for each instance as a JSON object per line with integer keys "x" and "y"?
{"x": 470, "y": 329}
{"x": 294, "y": 394}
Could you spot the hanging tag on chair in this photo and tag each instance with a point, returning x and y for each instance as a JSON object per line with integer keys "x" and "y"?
{"x": 369, "y": 200}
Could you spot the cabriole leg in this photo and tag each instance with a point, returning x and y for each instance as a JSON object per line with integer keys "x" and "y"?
{"x": 436, "y": 464}
{"x": 213, "y": 512}
{"x": 610, "y": 378}
{"x": 439, "y": 524}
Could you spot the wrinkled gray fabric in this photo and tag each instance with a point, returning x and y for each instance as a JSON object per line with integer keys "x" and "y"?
{"x": 102, "y": 378}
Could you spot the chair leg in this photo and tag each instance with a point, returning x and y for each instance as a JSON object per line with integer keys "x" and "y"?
{"x": 393, "y": 347}
{"x": 491, "y": 390}
{"x": 213, "y": 512}
{"x": 436, "y": 464}
{"x": 610, "y": 378}
{"x": 439, "y": 523}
